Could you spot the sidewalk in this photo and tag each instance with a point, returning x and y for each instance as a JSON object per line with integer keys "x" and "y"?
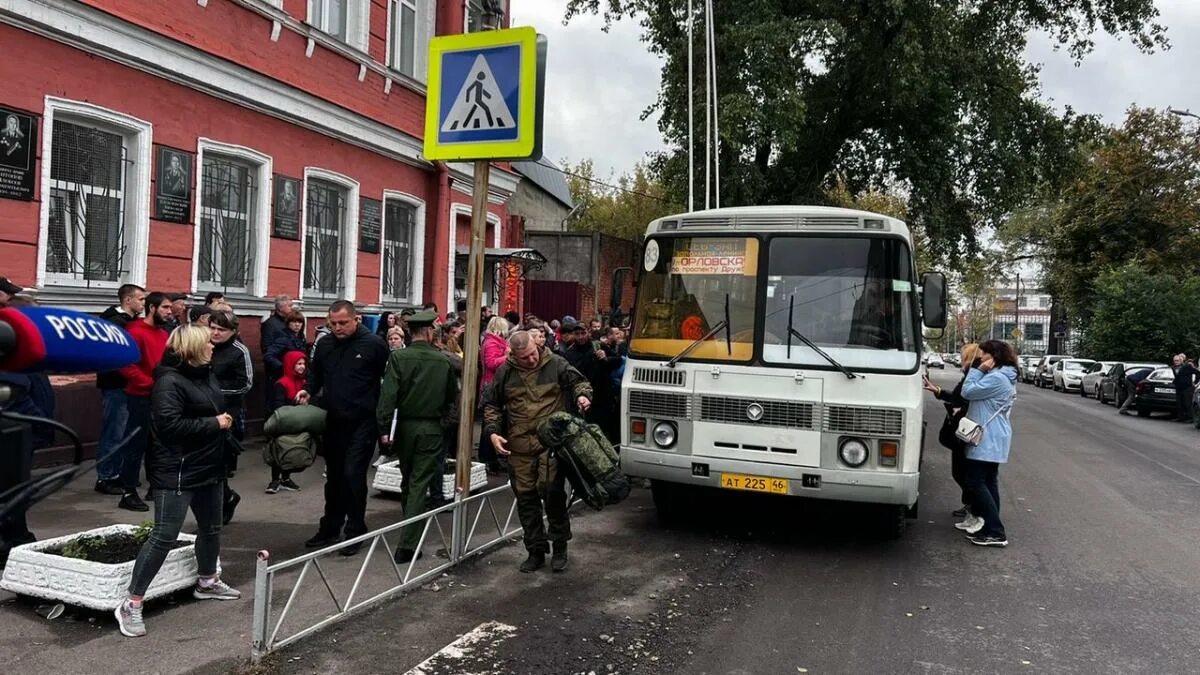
{"x": 184, "y": 635}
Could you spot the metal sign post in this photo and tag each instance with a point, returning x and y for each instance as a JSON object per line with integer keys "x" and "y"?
{"x": 484, "y": 103}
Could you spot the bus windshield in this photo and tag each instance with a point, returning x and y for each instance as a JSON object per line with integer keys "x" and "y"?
{"x": 687, "y": 284}
{"x": 852, "y": 296}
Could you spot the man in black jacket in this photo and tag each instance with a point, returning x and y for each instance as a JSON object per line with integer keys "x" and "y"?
{"x": 272, "y": 327}
{"x": 1185, "y": 385}
{"x": 345, "y": 373}
{"x": 131, "y": 301}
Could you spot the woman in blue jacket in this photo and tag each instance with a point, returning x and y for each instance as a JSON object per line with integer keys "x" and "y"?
{"x": 990, "y": 388}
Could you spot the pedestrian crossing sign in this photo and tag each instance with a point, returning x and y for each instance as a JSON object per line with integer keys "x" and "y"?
{"x": 484, "y": 95}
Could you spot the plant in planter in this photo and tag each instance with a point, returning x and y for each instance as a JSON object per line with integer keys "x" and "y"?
{"x": 92, "y": 569}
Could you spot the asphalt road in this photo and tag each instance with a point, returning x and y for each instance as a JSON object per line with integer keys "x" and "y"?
{"x": 1102, "y": 575}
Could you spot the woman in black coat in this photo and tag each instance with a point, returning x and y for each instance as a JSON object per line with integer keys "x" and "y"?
{"x": 185, "y": 465}
{"x": 956, "y": 409}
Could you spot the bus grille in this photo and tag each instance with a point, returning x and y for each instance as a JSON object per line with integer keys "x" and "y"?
{"x": 659, "y": 404}
{"x": 775, "y": 413}
{"x": 867, "y": 421}
{"x": 660, "y": 376}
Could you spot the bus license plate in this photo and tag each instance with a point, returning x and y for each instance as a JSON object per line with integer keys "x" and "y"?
{"x": 737, "y": 481}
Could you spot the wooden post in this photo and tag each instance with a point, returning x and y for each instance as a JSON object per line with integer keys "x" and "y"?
{"x": 470, "y": 377}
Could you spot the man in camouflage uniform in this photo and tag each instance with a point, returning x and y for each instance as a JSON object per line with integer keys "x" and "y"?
{"x": 528, "y": 387}
{"x": 419, "y": 385}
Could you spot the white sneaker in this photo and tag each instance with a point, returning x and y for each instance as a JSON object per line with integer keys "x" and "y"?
{"x": 217, "y": 590}
{"x": 971, "y": 524}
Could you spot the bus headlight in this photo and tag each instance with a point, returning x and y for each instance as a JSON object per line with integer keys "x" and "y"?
{"x": 664, "y": 434}
{"x": 853, "y": 452}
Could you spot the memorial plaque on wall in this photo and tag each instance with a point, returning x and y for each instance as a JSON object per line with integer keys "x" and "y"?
{"x": 285, "y": 222}
{"x": 18, "y": 154}
{"x": 173, "y": 187}
{"x": 370, "y": 224}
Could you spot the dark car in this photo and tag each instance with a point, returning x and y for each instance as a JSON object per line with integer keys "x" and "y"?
{"x": 1113, "y": 386}
{"x": 1156, "y": 392}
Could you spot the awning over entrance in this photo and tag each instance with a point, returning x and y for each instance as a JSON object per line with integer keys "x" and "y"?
{"x": 529, "y": 258}
{"x": 509, "y": 266}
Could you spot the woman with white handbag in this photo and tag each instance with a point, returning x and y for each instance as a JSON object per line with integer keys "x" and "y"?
{"x": 991, "y": 389}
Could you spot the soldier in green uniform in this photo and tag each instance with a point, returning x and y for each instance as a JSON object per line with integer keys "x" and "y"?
{"x": 419, "y": 385}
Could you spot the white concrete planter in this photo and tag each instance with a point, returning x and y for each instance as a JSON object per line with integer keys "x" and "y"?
{"x": 91, "y": 584}
{"x": 388, "y": 477}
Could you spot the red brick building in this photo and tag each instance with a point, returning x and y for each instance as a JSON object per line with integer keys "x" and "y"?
{"x": 256, "y": 147}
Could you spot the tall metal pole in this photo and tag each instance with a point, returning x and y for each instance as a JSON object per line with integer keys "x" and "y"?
{"x": 707, "y": 113}
{"x": 1017, "y": 308}
{"x": 712, "y": 47}
{"x": 470, "y": 376}
{"x": 691, "y": 23}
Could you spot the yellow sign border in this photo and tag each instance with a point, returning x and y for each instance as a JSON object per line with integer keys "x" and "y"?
{"x": 524, "y": 37}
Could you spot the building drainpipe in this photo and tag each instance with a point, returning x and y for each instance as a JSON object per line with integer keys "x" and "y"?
{"x": 442, "y": 285}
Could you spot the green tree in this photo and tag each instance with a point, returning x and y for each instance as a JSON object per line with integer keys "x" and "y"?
{"x": 1143, "y": 315}
{"x": 934, "y": 97}
{"x": 620, "y": 207}
{"x": 1136, "y": 198}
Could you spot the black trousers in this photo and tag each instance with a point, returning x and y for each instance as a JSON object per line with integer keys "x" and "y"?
{"x": 16, "y": 462}
{"x": 958, "y": 470}
{"x": 1183, "y": 403}
{"x": 349, "y": 446}
{"x": 984, "y": 487}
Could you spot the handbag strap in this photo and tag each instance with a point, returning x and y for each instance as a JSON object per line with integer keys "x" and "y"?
{"x": 1004, "y": 408}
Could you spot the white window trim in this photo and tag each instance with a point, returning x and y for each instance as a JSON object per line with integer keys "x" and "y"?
{"x": 350, "y": 246}
{"x": 423, "y": 31}
{"x": 417, "y": 247}
{"x": 457, "y": 209}
{"x": 358, "y": 23}
{"x": 139, "y": 138}
{"x": 262, "y": 234}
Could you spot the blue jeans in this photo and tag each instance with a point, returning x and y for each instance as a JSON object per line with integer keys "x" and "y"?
{"x": 984, "y": 490}
{"x": 170, "y": 510}
{"x": 137, "y": 439}
{"x": 114, "y": 416}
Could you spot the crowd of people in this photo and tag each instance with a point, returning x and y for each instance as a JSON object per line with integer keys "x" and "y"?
{"x": 174, "y": 421}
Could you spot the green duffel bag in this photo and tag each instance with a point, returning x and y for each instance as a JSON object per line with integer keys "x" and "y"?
{"x": 295, "y": 419}
{"x": 590, "y": 462}
{"x": 291, "y": 452}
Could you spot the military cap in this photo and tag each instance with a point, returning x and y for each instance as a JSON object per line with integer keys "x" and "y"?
{"x": 423, "y": 319}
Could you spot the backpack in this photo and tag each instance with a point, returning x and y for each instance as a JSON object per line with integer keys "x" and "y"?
{"x": 291, "y": 452}
{"x": 589, "y": 461}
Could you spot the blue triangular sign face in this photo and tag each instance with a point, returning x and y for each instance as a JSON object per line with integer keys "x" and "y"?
{"x": 479, "y": 105}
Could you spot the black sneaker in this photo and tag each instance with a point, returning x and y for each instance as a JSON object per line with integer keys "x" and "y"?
{"x": 289, "y": 485}
{"x": 404, "y": 556}
{"x": 108, "y": 487}
{"x": 350, "y": 550}
{"x": 961, "y": 513}
{"x": 231, "y": 504}
{"x": 534, "y": 562}
{"x": 130, "y": 501}
{"x": 272, "y": 487}
{"x": 321, "y": 540}
{"x": 987, "y": 540}
{"x": 558, "y": 559}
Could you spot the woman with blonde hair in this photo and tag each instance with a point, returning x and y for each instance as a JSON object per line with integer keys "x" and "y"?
{"x": 956, "y": 409}
{"x": 185, "y": 465}
{"x": 395, "y": 338}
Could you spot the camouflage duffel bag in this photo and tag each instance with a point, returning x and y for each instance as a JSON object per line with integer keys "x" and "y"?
{"x": 587, "y": 458}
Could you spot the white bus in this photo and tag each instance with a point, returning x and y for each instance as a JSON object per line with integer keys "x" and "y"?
{"x": 776, "y": 349}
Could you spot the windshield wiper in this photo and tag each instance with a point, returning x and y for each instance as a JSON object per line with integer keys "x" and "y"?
{"x": 715, "y": 329}
{"x": 812, "y": 345}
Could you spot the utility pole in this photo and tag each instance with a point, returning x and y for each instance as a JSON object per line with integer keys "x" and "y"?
{"x": 1017, "y": 308}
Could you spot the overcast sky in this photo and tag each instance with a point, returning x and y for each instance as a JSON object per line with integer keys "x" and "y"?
{"x": 599, "y": 83}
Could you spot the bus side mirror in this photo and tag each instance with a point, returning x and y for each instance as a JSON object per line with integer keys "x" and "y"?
{"x": 933, "y": 299}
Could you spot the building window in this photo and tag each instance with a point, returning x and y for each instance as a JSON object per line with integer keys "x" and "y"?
{"x": 346, "y": 20}
{"x": 229, "y": 198}
{"x": 403, "y": 34}
{"x": 325, "y": 225}
{"x": 95, "y": 214}
{"x": 475, "y": 13}
{"x": 1023, "y": 301}
{"x": 1034, "y": 332}
{"x": 1043, "y": 302}
{"x": 399, "y": 225}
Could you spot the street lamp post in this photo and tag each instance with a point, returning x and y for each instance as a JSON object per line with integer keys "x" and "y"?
{"x": 1183, "y": 113}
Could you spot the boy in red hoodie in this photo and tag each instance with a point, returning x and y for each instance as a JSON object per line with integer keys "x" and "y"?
{"x": 150, "y": 336}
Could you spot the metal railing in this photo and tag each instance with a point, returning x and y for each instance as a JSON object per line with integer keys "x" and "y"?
{"x": 460, "y": 547}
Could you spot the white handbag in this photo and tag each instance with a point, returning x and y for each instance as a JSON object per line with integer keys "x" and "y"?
{"x": 971, "y": 432}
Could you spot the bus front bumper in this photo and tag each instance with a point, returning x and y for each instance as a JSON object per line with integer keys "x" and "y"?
{"x": 872, "y": 487}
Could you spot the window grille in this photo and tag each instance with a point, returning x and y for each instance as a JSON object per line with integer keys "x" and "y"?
{"x": 399, "y": 220}
{"x": 86, "y": 237}
{"x": 227, "y": 222}
{"x": 324, "y": 232}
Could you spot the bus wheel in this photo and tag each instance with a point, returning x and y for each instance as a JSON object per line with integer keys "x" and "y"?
{"x": 891, "y": 521}
{"x": 669, "y": 501}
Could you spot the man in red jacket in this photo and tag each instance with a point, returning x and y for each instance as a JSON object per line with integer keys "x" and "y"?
{"x": 150, "y": 336}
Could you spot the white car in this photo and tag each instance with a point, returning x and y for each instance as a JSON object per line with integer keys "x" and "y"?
{"x": 1068, "y": 373}
{"x": 935, "y": 361}
{"x": 1091, "y": 379}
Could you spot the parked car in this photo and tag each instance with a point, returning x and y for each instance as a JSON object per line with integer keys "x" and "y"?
{"x": 952, "y": 359}
{"x": 934, "y": 360}
{"x": 1067, "y": 374}
{"x": 1091, "y": 379}
{"x": 1196, "y": 408}
{"x": 1044, "y": 375}
{"x": 1029, "y": 366}
{"x": 1112, "y": 385}
{"x": 1156, "y": 392}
